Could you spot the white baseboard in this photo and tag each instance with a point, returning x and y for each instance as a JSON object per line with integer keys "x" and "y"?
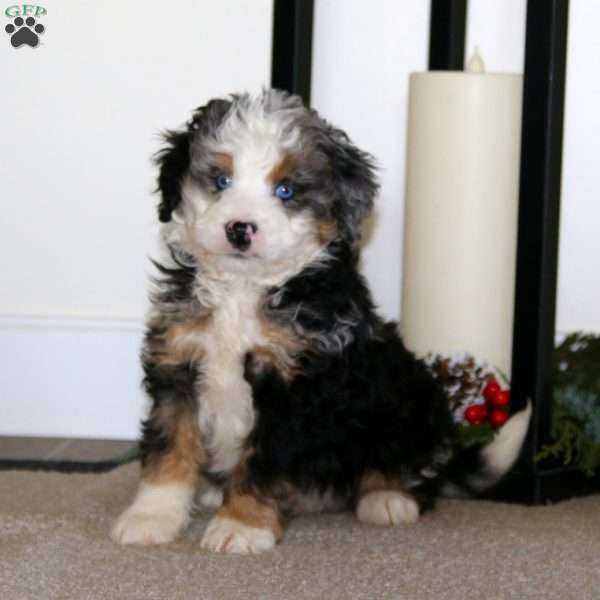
{"x": 70, "y": 377}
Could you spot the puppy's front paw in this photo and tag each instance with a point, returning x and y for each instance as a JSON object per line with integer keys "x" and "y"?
{"x": 387, "y": 507}
{"x": 228, "y": 535}
{"x": 146, "y": 529}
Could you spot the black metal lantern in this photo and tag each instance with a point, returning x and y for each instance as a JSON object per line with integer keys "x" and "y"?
{"x": 539, "y": 208}
{"x": 532, "y": 481}
{"x": 292, "y": 46}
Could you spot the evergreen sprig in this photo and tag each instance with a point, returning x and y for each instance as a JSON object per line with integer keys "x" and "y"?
{"x": 575, "y": 427}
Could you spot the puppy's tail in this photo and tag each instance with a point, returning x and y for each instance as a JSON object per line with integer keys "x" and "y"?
{"x": 474, "y": 470}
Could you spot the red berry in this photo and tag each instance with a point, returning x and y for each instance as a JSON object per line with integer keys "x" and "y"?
{"x": 498, "y": 417}
{"x": 490, "y": 390}
{"x": 476, "y": 414}
{"x": 502, "y": 398}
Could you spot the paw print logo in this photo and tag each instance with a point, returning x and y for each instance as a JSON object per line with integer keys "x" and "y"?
{"x": 24, "y": 32}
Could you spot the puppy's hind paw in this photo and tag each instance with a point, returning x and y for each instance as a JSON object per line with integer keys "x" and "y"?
{"x": 387, "y": 507}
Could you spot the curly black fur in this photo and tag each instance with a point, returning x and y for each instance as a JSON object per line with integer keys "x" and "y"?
{"x": 370, "y": 405}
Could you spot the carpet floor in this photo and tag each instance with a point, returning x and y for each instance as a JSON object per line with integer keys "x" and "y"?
{"x": 54, "y": 545}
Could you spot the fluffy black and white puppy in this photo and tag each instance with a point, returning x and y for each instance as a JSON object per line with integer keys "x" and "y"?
{"x": 274, "y": 383}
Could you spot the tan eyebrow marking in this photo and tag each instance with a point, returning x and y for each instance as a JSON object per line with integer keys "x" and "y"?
{"x": 283, "y": 168}
{"x": 224, "y": 162}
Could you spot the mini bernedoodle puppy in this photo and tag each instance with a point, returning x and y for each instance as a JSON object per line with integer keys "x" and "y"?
{"x": 275, "y": 386}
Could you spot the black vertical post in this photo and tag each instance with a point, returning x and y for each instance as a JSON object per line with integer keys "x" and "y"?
{"x": 447, "y": 35}
{"x": 538, "y": 221}
{"x": 292, "y": 46}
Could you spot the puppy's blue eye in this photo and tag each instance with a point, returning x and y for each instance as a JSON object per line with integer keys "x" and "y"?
{"x": 284, "y": 191}
{"x": 222, "y": 181}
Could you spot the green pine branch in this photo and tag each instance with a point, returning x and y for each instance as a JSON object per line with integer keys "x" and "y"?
{"x": 575, "y": 427}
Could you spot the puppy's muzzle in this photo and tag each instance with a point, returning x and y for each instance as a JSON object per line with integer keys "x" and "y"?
{"x": 240, "y": 234}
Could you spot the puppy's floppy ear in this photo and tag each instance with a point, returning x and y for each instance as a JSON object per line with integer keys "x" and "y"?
{"x": 174, "y": 159}
{"x": 355, "y": 182}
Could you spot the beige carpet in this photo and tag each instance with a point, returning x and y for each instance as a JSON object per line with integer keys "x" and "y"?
{"x": 54, "y": 544}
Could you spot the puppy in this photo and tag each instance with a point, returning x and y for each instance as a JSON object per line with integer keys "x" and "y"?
{"x": 274, "y": 383}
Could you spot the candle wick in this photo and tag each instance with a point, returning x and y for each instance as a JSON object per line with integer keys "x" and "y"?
{"x": 475, "y": 64}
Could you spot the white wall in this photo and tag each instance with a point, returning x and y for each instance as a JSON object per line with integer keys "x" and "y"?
{"x": 80, "y": 116}
{"x": 70, "y": 377}
{"x": 80, "y": 120}
{"x": 498, "y": 30}
{"x": 578, "y": 302}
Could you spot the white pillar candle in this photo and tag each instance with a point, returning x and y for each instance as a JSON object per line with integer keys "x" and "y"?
{"x": 462, "y": 176}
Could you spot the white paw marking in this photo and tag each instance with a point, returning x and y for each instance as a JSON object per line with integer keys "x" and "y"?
{"x": 387, "y": 507}
{"x": 227, "y": 535}
{"x": 157, "y": 515}
{"x": 146, "y": 529}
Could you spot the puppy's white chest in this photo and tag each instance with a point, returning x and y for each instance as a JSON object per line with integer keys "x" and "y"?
{"x": 234, "y": 327}
{"x": 226, "y": 413}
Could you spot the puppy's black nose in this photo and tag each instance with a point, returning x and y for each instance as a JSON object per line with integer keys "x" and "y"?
{"x": 240, "y": 234}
